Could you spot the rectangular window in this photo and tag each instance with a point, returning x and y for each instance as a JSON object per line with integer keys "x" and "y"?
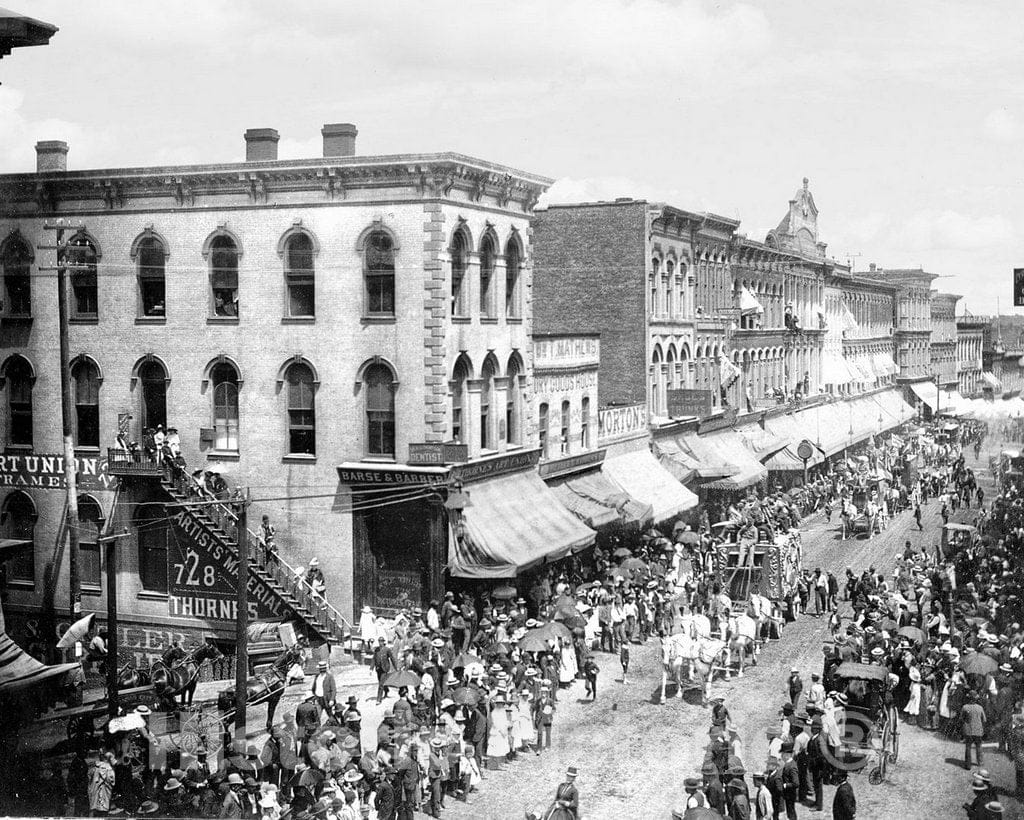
{"x": 19, "y": 293}
{"x": 563, "y": 440}
{"x": 585, "y": 423}
{"x": 86, "y": 301}
{"x": 21, "y": 412}
{"x": 301, "y": 418}
{"x": 380, "y": 293}
{"x": 542, "y": 429}
{"x": 22, "y": 567}
{"x": 153, "y": 296}
{"x": 89, "y": 563}
{"x": 153, "y": 557}
{"x": 225, "y": 293}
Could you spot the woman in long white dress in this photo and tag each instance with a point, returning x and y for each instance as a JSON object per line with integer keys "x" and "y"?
{"x": 569, "y": 667}
{"x": 497, "y": 738}
{"x": 914, "y": 704}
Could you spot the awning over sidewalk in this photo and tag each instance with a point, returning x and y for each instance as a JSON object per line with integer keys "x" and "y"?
{"x": 748, "y": 470}
{"x": 513, "y": 523}
{"x": 834, "y": 370}
{"x": 991, "y": 380}
{"x": 928, "y": 393}
{"x": 598, "y": 502}
{"x": 640, "y": 475}
{"x": 711, "y": 462}
{"x": 761, "y": 441}
{"x": 676, "y": 459}
{"x": 884, "y": 365}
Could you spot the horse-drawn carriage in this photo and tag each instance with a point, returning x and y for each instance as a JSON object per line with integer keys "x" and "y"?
{"x": 870, "y": 727}
{"x": 957, "y": 537}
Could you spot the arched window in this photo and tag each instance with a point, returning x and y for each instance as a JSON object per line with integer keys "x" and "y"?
{"x": 513, "y": 265}
{"x": 460, "y": 375}
{"x": 86, "y": 377}
{"x": 513, "y": 402}
{"x": 487, "y": 438}
{"x": 152, "y": 277}
{"x": 380, "y": 410}
{"x": 564, "y": 433}
{"x": 224, "y": 276}
{"x": 666, "y": 285}
{"x": 459, "y": 253}
{"x": 17, "y": 263}
{"x": 585, "y": 423}
{"x": 153, "y": 398}
{"x": 655, "y": 274}
{"x": 542, "y": 429}
{"x": 18, "y": 374}
{"x": 85, "y": 301}
{"x": 379, "y": 264}
{"x": 299, "y": 275}
{"x": 152, "y": 532}
{"x": 89, "y": 517}
{"x": 19, "y": 523}
{"x": 487, "y": 253}
{"x": 225, "y": 407}
{"x": 301, "y": 410}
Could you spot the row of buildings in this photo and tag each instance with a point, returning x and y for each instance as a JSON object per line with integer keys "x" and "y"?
{"x": 423, "y": 379}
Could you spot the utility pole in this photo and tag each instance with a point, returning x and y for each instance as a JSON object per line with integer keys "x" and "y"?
{"x": 110, "y": 547}
{"x": 242, "y": 619}
{"x": 64, "y": 263}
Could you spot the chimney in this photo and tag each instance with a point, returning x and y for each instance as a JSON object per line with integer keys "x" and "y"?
{"x": 51, "y": 155}
{"x": 871, "y": 267}
{"x": 339, "y": 139}
{"x": 261, "y": 144}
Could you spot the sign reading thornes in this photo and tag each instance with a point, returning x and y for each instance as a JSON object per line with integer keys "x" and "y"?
{"x": 684, "y": 402}
{"x": 202, "y": 577}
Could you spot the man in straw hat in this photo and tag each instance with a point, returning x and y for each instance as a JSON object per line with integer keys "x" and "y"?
{"x": 324, "y": 688}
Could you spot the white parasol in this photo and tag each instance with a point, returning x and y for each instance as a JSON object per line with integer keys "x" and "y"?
{"x": 78, "y": 630}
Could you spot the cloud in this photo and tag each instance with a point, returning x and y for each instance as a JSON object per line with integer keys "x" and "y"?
{"x": 931, "y": 230}
{"x": 1002, "y": 126}
{"x": 19, "y": 134}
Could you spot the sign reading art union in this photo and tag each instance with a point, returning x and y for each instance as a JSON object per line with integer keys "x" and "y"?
{"x": 45, "y": 471}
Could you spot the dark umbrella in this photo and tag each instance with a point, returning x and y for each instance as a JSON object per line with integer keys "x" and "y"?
{"x": 622, "y": 552}
{"x": 464, "y": 660}
{"x": 912, "y": 632}
{"x": 979, "y": 664}
{"x": 689, "y": 538}
{"x": 888, "y": 624}
{"x": 701, "y": 813}
{"x": 552, "y": 629}
{"x": 466, "y": 696}
{"x": 402, "y": 677}
{"x": 633, "y": 565}
{"x": 575, "y": 622}
{"x": 534, "y": 643}
{"x": 504, "y": 593}
{"x": 498, "y": 649}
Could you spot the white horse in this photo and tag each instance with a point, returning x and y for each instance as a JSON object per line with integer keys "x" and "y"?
{"x": 742, "y": 641}
{"x": 701, "y": 655}
{"x": 768, "y": 615}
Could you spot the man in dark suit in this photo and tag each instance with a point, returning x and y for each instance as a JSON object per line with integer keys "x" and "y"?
{"x": 790, "y": 780}
{"x": 844, "y": 805}
{"x": 385, "y": 802}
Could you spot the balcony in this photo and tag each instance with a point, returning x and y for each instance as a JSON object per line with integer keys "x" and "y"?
{"x": 123, "y": 463}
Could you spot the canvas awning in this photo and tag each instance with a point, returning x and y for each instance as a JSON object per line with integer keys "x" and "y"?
{"x": 641, "y": 475}
{"x": 674, "y": 458}
{"x": 834, "y": 369}
{"x": 884, "y": 366}
{"x": 926, "y": 392}
{"x": 748, "y": 302}
{"x": 18, "y": 669}
{"x": 592, "y": 497}
{"x": 514, "y": 522}
{"x": 748, "y": 470}
{"x": 991, "y": 380}
{"x": 711, "y": 462}
{"x": 761, "y": 441}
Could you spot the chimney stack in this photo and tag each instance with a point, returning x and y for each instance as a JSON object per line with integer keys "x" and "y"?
{"x": 51, "y": 155}
{"x": 871, "y": 267}
{"x": 339, "y": 139}
{"x": 261, "y": 144}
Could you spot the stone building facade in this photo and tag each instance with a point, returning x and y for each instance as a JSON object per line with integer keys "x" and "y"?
{"x": 943, "y": 340}
{"x": 970, "y": 341}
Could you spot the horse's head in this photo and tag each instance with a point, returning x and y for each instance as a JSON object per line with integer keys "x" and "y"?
{"x": 208, "y": 651}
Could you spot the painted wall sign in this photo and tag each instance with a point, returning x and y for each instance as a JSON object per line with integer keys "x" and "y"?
{"x": 566, "y": 351}
{"x": 45, "y": 471}
{"x": 571, "y": 464}
{"x": 384, "y": 475}
{"x": 429, "y": 453}
{"x": 685, "y": 402}
{"x": 202, "y": 577}
{"x": 547, "y": 383}
{"x": 491, "y": 467}
{"x": 621, "y": 422}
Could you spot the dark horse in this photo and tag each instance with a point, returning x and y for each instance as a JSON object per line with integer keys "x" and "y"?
{"x": 181, "y": 679}
{"x": 266, "y": 687}
{"x": 129, "y": 676}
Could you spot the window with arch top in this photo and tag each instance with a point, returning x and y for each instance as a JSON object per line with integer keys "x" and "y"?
{"x": 86, "y": 378}
{"x": 18, "y": 374}
{"x": 460, "y": 375}
{"x": 513, "y": 267}
{"x": 487, "y": 437}
{"x": 487, "y": 255}
{"x": 89, "y": 519}
{"x": 299, "y": 275}
{"x": 379, "y": 383}
{"x": 513, "y": 403}
{"x": 152, "y": 278}
{"x": 18, "y": 519}
{"x": 225, "y": 380}
{"x": 459, "y": 253}
{"x": 85, "y": 297}
{"x": 224, "y": 276}
{"x": 17, "y": 265}
{"x": 301, "y": 410}
{"x": 379, "y": 274}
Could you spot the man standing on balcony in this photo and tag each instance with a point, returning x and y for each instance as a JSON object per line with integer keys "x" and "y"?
{"x": 324, "y": 688}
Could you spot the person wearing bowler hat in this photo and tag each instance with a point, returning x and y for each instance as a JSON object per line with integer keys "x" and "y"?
{"x": 567, "y": 798}
{"x": 790, "y": 780}
{"x": 817, "y": 761}
{"x": 713, "y": 791}
{"x": 437, "y": 773}
{"x": 231, "y": 805}
{"x": 764, "y": 806}
{"x": 739, "y": 801}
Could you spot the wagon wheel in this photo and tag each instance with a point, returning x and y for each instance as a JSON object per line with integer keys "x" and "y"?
{"x": 199, "y": 731}
{"x": 894, "y": 753}
{"x": 73, "y": 724}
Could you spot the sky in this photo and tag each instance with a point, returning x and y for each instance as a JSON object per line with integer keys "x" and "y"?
{"x": 907, "y": 117}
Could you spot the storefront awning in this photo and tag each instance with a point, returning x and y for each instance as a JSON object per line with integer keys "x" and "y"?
{"x": 761, "y": 441}
{"x": 749, "y": 303}
{"x": 641, "y": 475}
{"x": 710, "y": 461}
{"x": 991, "y": 380}
{"x": 748, "y": 470}
{"x": 926, "y": 392}
{"x": 834, "y": 370}
{"x": 514, "y": 522}
{"x": 593, "y": 498}
{"x": 884, "y": 366}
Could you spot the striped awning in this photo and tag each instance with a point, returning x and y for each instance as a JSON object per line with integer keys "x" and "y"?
{"x": 19, "y": 669}
{"x": 514, "y": 522}
{"x": 641, "y": 475}
{"x": 593, "y": 498}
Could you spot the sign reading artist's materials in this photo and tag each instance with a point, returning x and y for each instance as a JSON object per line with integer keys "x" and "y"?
{"x": 43, "y": 471}
{"x": 202, "y": 576}
{"x": 684, "y": 402}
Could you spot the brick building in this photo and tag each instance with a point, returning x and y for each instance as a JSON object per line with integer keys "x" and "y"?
{"x": 286, "y": 317}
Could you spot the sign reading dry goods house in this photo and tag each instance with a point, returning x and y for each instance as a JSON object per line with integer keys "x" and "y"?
{"x": 201, "y": 576}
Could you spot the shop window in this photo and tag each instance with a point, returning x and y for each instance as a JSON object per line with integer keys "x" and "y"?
{"x": 380, "y": 411}
{"x": 379, "y": 274}
{"x": 86, "y": 378}
{"x": 299, "y": 275}
{"x": 301, "y": 410}
{"x": 85, "y": 299}
{"x": 224, "y": 276}
{"x": 152, "y": 278}
{"x": 18, "y": 520}
{"x": 17, "y": 262}
{"x": 18, "y": 374}
{"x": 225, "y": 407}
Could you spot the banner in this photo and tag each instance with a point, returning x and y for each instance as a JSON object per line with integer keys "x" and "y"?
{"x": 45, "y": 471}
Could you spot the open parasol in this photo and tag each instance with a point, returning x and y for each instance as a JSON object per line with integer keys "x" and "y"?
{"x": 403, "y": 677}
{"x": 689, "y": 538}
{"x": 504, "y": 593}
{"x": 534, "y": 643}
{"x": 633, "y": 565}
{"x": 78, "y": 630}
{"x": 622, "y": 552}
{"x": 912, "y": 632}
{"x": 466, "y": 696}
{"x": 979, "y": 664}
{"x": 552, "y": 629}
{"x": 887, "y": 624}
{"x": 701, "y": 813}
{"x": 465, "y": 659}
